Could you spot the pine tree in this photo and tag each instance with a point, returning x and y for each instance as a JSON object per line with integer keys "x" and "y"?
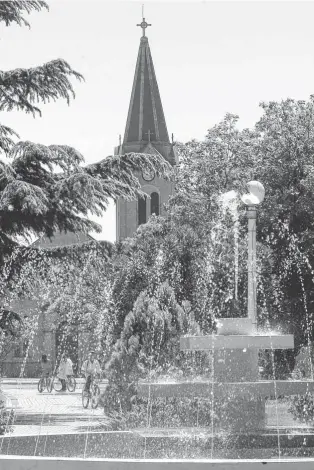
{"x": 44, "y": 189}
{"x": 47, "y": 188}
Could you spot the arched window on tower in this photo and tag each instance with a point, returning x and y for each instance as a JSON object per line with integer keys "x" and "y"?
{"x": 154, "y": 203}
{"x": 141, "y": 210}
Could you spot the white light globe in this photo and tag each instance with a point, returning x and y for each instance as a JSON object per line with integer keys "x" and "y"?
{"x": 256, "y": 194}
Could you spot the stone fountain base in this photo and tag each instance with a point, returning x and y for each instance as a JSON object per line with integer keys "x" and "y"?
{"x": 196, "y": 443}
{"x": 109, "y": 444}
{"x": 236, "y": 393}
{"x": 168, "y": 445}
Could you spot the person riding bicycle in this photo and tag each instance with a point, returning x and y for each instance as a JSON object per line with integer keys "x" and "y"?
{"x": 90, "y": 368}
{"x": 45, "y": 367}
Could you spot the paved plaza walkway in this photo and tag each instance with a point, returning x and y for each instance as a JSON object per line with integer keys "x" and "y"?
{"x": 51, "y": 413}
{"x": 57, "y": 413}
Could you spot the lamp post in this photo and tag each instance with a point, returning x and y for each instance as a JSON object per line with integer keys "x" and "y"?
{"x": 251, "y": 294}
{"x": 256, "y": 196}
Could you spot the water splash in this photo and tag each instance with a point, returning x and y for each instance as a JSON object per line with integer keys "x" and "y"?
{"x": 230, "y": 203}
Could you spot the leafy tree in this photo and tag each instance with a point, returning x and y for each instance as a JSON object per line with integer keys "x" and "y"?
{"x": 149, "y": 341}
{"x": 278, "y": 152}
{"x": 72, "y": 284}
{"x": 285, "y": 161}
{"x": 84, "y": 297}
{"x": 134, "y": 262}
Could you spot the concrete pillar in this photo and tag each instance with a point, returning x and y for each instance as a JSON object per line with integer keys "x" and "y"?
{"x": 238, "y": 365}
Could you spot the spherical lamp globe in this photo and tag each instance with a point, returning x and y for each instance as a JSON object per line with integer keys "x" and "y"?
{"x": 256, "y": 194}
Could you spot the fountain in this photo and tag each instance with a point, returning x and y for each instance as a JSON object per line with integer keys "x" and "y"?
{"x": 235, "y": 385}
{"x": 240, "y": 439}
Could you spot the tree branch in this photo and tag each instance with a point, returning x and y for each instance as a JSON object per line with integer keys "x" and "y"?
{"x": 21, "y": 88}
{"x": 12, "y": 11}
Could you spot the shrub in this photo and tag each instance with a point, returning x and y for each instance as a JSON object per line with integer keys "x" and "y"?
{"x": 6, "y": 418}
{"x": 302, "y": 407}
{"x": 166, "y": 412}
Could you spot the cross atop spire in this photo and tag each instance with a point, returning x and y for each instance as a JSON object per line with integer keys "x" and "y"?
{"x": 146, "y": 127}
{"x": 143, "y": 25}
{"x": 146, "y": 120}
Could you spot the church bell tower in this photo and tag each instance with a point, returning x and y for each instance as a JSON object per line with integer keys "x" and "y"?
{"x": 145, "y": 132}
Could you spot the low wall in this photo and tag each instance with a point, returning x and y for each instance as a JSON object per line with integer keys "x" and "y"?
{"x": 109, "y": 445}
{"x": 125, "y": 445}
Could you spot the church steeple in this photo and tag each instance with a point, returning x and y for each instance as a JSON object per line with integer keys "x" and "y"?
{"x": 145, "y": 112}
{"x": 146, "y": 124}
{"x": 145, "y": 132}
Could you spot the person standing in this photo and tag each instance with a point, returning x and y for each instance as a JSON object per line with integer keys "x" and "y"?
{"x": 62, "y": 373}
{"x": 69, "y": 366}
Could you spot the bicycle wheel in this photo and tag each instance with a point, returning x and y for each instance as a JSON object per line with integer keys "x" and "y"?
{"x": 71, "y": 384}
{"x": 40, "y": 385}
{"x": 56, "y": 384}
{"x": 95, "y": 396}
{"x": 85, "y": 398}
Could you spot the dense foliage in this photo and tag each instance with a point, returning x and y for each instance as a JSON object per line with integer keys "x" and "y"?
{"x": 193, "y": 248}
{"x": 68, "y": 286}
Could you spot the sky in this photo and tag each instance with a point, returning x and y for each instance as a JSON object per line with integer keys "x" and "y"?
{"x": 210, "y": 58}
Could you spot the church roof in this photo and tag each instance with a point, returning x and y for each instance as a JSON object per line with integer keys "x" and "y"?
{"x": 146, "y": 120}
{"x": 62, "y": 239}
{"x": 149, "y": 149}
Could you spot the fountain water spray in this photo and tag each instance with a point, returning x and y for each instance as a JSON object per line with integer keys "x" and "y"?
{"x": 236, "y": 385}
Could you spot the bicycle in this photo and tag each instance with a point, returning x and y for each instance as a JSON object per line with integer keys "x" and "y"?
{"x": 44, "y": 382}
{"x": 69, "y": 381}
{"x": 91, "y": 396}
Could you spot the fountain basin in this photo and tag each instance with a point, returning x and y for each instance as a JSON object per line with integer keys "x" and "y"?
{"x": 109, "y": 444}
{"x": 125, "y": 450}
{"x": 152, "y": 464}
{"x": 259, "y": 341}
{"x": 207, "y": 389}
{"x": 201, "y": 443}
